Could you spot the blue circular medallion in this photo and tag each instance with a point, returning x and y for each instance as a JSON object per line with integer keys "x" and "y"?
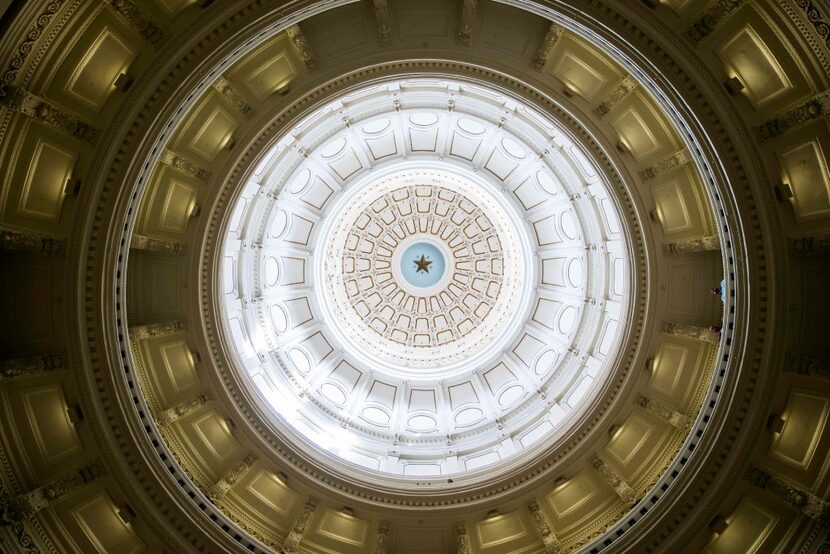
{"x": 422, "y": 264}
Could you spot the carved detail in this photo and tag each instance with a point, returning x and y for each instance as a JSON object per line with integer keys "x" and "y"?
{"x": 384, "y": 21}
{"x": 552, "y": 544}
{"x": 32, "y": 502}
{"x": 540, "y": 59}
{"x": 291, "y": 543}
{"x": 382, "y": 538}
{"x": 182, "y": 409}
{"x": 623, "y": 489}
{"x": 142, "y": 242}
{"x": 798, "y": 498}
{"x": 42, "y": 21}
{"x": 468, "y": 15}
{"x": 227, "y": 481}
{"x": 622, "y": 90}
{"x": 174, "y": 160}
{"x": 814, "y": 16}
{"x": 462, "y": 540}
{"x": 810, "y": 110}
{"x": 803, "y": 365}
{"x": 140, "y": 332}
{"x": 709, "y": 21}
{"x": 706, "y": 334}
{"x": 30, "y": 366}
{"x": 298, "y": 40}
{"x": 807, "y": 245}
{"x": 139, "y": 21}
{"x": 675, "y": 160}
{"x": 35, "y": 107}
{"x": 226, "y": 89}
{"x": 13, "y": 241}
{"x": 672, "y": 417}
{"x": 704, "y": 244}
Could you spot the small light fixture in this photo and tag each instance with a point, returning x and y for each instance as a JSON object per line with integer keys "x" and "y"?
{"x": 123, "y": 82}
{"x": 229, "y": 143}
{"x": 613, "y": 431}
{"x": 72, "y": 186}
{"x": 568, "y": 91}
{"x": 559, "y": 482}
{"x": 230, "y": 424}
{"x": 126, "y": 513}
{"x": 654, "y": 215}
{"x": 775, "y": 423}
{"x": 623, "y": 147}
{"x": 734, "y": 85}
{"x": 493, "y": 513}
{"x": 649, "y": 366}
{"x": 783, "y": 192}
{"x": 718, "y": 524}
{"x": 348, "y": 511}
{"x": 194, "y": 212}
{"x": 75, "y": 413}
{"x": 283, "y": 89}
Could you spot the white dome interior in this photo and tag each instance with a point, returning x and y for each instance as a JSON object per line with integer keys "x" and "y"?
{"x": 498, "y": 356}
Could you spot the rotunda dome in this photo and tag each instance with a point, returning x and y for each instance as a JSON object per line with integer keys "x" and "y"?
{"x": 417, "y": 279}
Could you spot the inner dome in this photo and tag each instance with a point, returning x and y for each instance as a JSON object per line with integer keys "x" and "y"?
{"x": 422, "y": 265}
{"x": 413, "y": 288}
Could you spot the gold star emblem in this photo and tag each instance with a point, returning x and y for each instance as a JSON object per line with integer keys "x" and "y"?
{"x": 422, "y": 264}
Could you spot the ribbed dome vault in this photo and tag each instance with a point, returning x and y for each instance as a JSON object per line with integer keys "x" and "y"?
{"x": 414, "y": 276}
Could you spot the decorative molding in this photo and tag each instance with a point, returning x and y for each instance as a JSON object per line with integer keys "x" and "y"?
{"x": 677, "y": 159}
{"x": 221, "y": 487}
{"x": 816, "y": 18}
{"x": 709, "y": 334}
{"x": 540, "y": 520}
{"x": 139, "y": 20}
{"x": 540, "y": 59}
{"x": 807, "y": 245}
{"x": 13, "y": 241}
{"x": 143, "y": 242}
{"x": 681, "y": 422}
{"x": 382, "y": 538}
{"x": 32, "y": 502}
{"x": 614, "y": 480}
{"x": 30, "y": 366}
{"x": 709, "y": 21}
{"x": 35, "y": 107}
{"x": 229, "y": 91}
{"x": 709, "y": 243}
{"x": 291, "y": 544}
{"x": 384, "y": 21}
{"x": 41, "y": 22}
{"x": 806, "y": 366}
{"x": 468, "y": 16}
{"x": 621, "y": 91}
{"x": 170, "y": 158}
{"x": 813, "y": 109}
{"x": 140, "y": 332}
{"x": 800, "y": 499}
{"x": 295, "y": 33}
{"x": 462, "y": 540}
{"x": 182, "y": 409}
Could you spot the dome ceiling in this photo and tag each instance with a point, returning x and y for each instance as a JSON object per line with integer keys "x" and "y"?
{"x": 442, "y": 182}
{"x": 414, "y": 276}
